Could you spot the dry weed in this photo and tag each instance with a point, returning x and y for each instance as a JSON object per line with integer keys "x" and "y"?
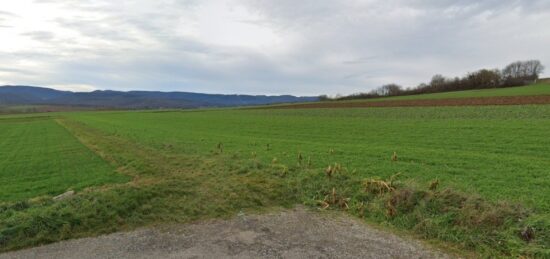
{"x": 333, "y": 169}
{"x": 334, "y": 199}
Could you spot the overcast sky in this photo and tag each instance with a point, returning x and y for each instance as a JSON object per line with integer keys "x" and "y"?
{"x": 305, "y": 47}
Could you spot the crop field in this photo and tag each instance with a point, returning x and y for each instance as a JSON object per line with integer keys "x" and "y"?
{"x": 524, "y": 95}
{"x": 467, "y": 148}
{"x": 530, "y": 90}
{"x": 39, "y": 157}
{"x": 473, "y": 178}
{"x": 21, "y": 109}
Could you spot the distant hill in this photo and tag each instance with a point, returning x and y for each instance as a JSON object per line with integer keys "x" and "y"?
{"x": 31, "y": 95}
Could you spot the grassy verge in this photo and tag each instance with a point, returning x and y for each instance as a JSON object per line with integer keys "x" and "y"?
{"x": 170, "y": 186}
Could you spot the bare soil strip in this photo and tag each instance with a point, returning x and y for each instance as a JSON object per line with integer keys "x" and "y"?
{"x": 507, "y": 100}
{"x": 297, "y": 233}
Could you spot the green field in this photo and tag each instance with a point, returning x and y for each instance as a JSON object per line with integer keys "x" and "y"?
{"x": 491, "y": 163}
{"x": 39, "y": 157}
{"x": 474, "y": 149}
{"x": 530, "y": 90}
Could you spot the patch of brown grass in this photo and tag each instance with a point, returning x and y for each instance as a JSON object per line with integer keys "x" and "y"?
{"x": 333, "y": 199}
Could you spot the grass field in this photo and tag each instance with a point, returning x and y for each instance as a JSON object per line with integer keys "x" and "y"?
{"x": 530, "y": 90}
{"x": 39, "y": 157}
{"x": 467, "y": 148}
{"x": 491, "y": 164}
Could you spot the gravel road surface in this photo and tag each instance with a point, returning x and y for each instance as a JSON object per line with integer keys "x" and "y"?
{"x": 296, "y": 233}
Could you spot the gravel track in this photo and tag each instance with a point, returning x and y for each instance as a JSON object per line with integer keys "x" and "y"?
{"x": 296, "y": 233}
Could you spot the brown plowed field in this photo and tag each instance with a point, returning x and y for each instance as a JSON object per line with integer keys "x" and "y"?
{"x": 509, "y": 100}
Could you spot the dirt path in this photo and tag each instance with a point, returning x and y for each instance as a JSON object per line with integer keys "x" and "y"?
{"x": 505, "y": 100}
{"x": 296, "y": 233}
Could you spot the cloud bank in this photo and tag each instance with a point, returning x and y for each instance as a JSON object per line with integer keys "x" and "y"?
{"x": 262, "y": 47}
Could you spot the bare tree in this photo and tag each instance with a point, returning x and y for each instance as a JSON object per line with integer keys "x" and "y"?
{"x": 513, "y": 70}
{"x": 526, "y": 70}
{"x": 533, "y": 68}
{"x": 389, "y": 90}
{"x": 324, "y": 97}
{"x": 437, "y": 81}
{"x": 515, "y": 74}
{"x": 484, "y": 78}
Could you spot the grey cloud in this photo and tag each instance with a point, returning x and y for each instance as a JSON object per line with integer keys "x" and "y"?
{"x": 243, "y": 72}
{"x": 330, "y": 46}
{"x": 5, "y": 17}
{"x": 99, "y": 28}
{"x": 362, "y": 60}
{"x": 436, "y": 36}
{"x": 39, "y": 35}
{"x": 11, "y": 70}
{"x": 7, "y": 14}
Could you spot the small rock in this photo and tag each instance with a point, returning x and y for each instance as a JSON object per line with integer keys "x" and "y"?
{"x": 64, "y": 196}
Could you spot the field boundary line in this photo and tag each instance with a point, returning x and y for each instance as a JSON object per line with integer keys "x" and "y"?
{"x": 469, "y": 101}
{"x": 126, "y": 156}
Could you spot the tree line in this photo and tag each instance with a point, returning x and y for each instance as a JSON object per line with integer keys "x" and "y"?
{"x": 515, "y": 74}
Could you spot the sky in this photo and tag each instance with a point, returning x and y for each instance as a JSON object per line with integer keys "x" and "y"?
{"x": 306, "y": 47}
